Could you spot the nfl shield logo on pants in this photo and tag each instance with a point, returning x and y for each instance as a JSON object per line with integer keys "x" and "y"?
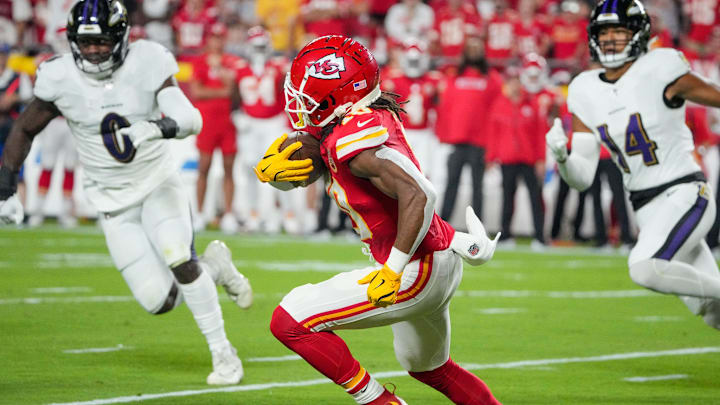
{"x": 474, "y": 249}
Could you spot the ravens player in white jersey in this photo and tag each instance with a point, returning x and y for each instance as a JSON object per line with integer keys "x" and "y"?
{"x": 122, "y": 104}
{"x": 635, "y": 106}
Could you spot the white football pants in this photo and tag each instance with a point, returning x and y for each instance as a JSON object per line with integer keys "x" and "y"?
{"x": 420, "y": 318}
{"x": 671, "y": 255}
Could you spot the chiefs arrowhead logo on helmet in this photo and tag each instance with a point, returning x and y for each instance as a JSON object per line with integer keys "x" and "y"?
{"x": 328, "y": 67}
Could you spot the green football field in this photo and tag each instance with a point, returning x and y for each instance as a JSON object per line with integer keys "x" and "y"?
{"x": 566, "y": 326}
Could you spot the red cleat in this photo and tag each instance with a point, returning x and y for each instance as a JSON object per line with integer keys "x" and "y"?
{"x": 388, "y": 397}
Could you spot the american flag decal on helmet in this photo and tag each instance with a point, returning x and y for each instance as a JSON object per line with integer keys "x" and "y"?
{"x": 473, "y": 249}
{"x": 359, "y": 85}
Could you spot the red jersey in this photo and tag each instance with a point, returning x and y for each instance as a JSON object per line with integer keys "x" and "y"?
{"x": 190, "y": 28}
{"x": 209, "y": 75}
{"x": 464, "y": 105}
{"x": 451, "y": 27}
{"x": 419, "y": 93}
{"x": 500, "y": 36}
{"x": 516, "y": 134}
{"x": 374, "y": 215}
{"x": 529, "y": 36}
{"x": 567, "y": 37}
{"x": 703, "y": 15}
{"x": 326, "y": 26}
{"x": 261, "y": 93}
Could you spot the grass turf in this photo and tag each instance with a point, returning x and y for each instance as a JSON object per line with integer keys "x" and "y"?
{"x": 556, "y": 308}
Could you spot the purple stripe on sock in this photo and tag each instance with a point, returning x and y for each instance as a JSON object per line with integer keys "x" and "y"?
{"x": 684, "y": 230}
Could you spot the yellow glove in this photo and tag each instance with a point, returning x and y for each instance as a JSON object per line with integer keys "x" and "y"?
{"x": 383, "y": 286}
{"x": 276, "y": 165}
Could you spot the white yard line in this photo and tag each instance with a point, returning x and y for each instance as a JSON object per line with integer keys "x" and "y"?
{"x": 659, "y": 318}
{"x": 460, "y": 293}
{"x": 499, "y": 311}
{"x": 60, "y": 290}
{"x": 398, "y": 373}
{"x": 290, "y": 357}
{"x": 66, "y": 300}
{"x": 98, "y": 349}
{"x": 555, "y": 294}
{"x": 656, "y": 378}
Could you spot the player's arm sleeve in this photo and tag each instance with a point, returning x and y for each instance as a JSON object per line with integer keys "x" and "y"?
{"x": 579, "y": 168}
{"x": 182, "y": 119}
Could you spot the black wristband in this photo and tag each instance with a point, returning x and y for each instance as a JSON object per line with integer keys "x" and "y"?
{"x": 8, "y": 183}
{"x": 168, "y": 127}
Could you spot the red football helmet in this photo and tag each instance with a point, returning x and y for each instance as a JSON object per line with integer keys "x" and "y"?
{"x": 329, "y": 77}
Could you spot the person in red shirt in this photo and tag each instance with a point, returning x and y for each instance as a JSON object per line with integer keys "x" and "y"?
{"x": 191, "y": 24}
{"x": 568, "y": 35}
{"x": 260, "y": 89}
{"x": 516, "y": 142}
{"x": 373, "y": 176}
{"x": 324, "y": 17}
{"x": 530, "y": 30}
{"x": 703, "y": 16}
{"x": 453, "y": 21}
{"x": 417, "y": 88}
{"x": 210, "y": 89}
{"x": 462, "y": 121}
{"x": 500, "y": 35}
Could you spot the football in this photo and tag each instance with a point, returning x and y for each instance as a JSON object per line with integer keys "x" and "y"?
{"x": 310, "y": 150}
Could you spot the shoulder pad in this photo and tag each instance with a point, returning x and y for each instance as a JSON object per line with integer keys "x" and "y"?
{"x": 357, "y": 132}
{"x": 53, "y": 68}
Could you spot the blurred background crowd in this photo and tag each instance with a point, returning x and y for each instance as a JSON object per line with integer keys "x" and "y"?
{"x": 482, "y": 81}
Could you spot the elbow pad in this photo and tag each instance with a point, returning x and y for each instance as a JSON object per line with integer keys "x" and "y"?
{"x": 174, "y": 105}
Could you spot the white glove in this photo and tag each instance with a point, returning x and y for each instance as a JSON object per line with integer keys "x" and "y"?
{"x": 474, "y": 247}
{"x": 557, "y": 141}
{"x": 141, "y": 131}
{"x": 11, "y": 211}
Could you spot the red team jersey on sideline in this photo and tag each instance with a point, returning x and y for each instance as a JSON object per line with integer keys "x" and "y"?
{"x": 262, "y": 95}
{"x": 209, "y": 77}
{"x": 419, "y": 93}
{"x": 374, "y": 215}
{"x": 703, "y": 16}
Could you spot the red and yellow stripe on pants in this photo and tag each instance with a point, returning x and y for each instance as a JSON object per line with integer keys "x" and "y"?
{"x": 424, "y": 272}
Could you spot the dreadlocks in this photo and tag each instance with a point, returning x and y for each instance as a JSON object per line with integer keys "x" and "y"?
{"x": 386, "y": 101}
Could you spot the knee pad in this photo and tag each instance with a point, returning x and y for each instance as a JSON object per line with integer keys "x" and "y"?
{"x": 155, "y": 298}
{"x": 173, "y": 299}
{"x": 644, "y": 272}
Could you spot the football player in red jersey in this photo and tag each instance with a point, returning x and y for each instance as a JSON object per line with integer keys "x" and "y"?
{"x": 259, "y": 87}
{"x": 373, "y": 176}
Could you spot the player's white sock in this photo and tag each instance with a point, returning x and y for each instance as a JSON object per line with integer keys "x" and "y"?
{"x": 674, "y": 277}
{"x": 363, "y": 387}
{"x": 202, "y": 299}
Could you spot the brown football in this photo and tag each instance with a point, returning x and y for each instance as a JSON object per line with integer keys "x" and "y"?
{"x": 310, "y": 150}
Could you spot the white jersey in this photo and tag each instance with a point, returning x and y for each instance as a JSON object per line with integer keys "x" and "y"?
{"x": 116, "y": 174}
{"x": 648, "y": 139}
